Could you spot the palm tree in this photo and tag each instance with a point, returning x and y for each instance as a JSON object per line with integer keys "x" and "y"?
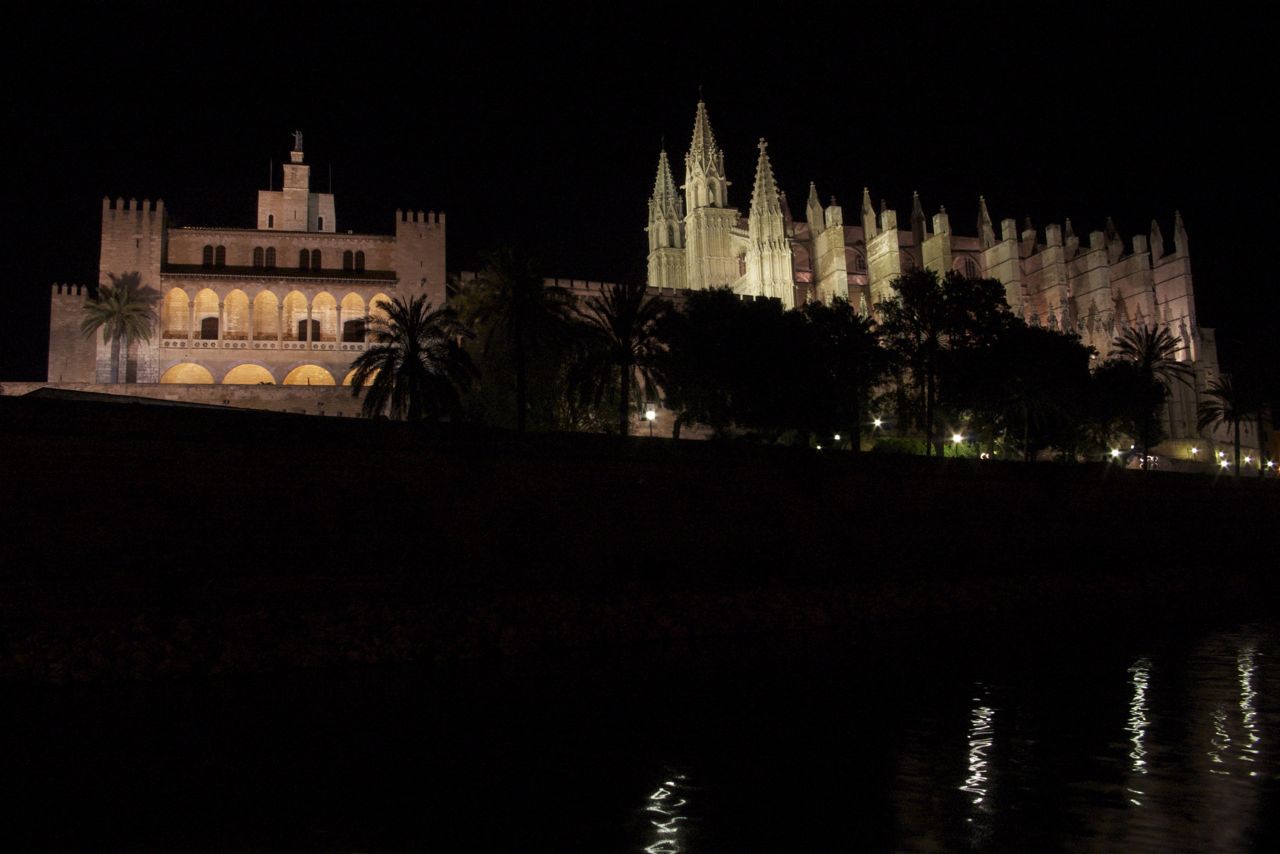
{"x": 1226, "y": 406}
{"x": 625, "y": 320}
{"x": 124, "y": 311}
{"x": 1154, "y": 352}
{"x": 516, "y": 308}
{"x": 416, "y": 365}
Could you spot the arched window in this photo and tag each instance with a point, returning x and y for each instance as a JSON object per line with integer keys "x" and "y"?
{"x": 348, "y": 260}
{"x": 360, "y": 261}
{"x": 859, "y": 262}
{"x": 271, "y": 220}
{"x": 315, "y": 259}
{"x": 304, "y": 259}
{"x": 271, "y": 256}
{"x": 970, "y": 267}
{"x": 206, "y": 256}
{"x": 220, "y": 256}
{"x": 257, "y": 256}
{"x": 319, "y": 223}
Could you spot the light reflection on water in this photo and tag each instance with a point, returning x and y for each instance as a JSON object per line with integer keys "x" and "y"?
{"x": 666, "y": 814}
{"x": 1162, "y": 751}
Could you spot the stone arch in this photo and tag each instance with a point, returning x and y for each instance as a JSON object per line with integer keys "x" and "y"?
{"x": 309, "y": 374}
{"x": 347, "y": 379}
{"x": 206, "y": 314}
{"x": 967, "y": 266}
{"x": 352, "y": 318}
{"x": 176, "y": 313}
{"x": 374, "y": 309}
{"x": 236, "y": 314}
{"x": 324, "y": 311}
{"x": 854, "y": 261}
{"x": 295, "y": 316}
{"x": 187, "y": 373}
{"x": 266, "y": 316}
{"x": 248, "y": 373}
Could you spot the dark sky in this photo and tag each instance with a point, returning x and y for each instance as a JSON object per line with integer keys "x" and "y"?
{"x": 542, "y": 130}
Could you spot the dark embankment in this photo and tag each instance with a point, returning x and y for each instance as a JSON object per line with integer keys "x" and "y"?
{"x": 148, "y": 542}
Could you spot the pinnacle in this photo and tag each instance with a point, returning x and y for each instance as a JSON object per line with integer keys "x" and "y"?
{"x": 703, "y": 147}
{"x": 765, "y": 194}
{"x": 664, "y": 184}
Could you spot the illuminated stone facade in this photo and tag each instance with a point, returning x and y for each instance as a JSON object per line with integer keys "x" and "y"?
{"x": 1053, "y": 279}
{"x": 281, "y": 303}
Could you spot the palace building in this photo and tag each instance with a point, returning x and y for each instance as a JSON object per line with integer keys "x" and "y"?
{"x": 1051, "y": 278}
{"x": 281, "y": 303}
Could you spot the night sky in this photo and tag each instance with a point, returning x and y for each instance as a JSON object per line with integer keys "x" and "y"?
{"x": 530, "y": 130}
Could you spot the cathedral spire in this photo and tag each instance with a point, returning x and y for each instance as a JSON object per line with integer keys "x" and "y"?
{"x": 1179, "y": 234}
{"x": 764, "y": 197}
{"x": 664, "y": 186}
{"x": 703, "y": 148}
{"x": 986, "y": 231}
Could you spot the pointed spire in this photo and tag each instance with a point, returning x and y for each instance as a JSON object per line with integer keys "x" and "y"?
{"x": 703, "y": 148}
{"x": 664, "y": 184}
{"x": 917, "y": 209}
{"x": 986, "y": 231}
{"x": 813, "y": 210}
{"x": 764, "y": 197}
{"x": 868, "y": 215}
{"x": 1071, "y": 232}
{"x": 786, "y": 208}
{"x": 1179, "y": 234}
{"x": 1110, "y": 230}
{"x": 1157, "y": 241}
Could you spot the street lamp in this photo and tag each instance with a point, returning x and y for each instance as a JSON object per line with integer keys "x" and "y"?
{"x": 956, "y": 439}
{"x": 877, "y": 422}
{"x": 1194, "y": 451}
{"x": 650, "y": 415}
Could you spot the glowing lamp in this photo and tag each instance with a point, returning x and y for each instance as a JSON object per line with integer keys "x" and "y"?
{"x": 649, "y": 414}
{"x": 1195, "y": 451}
{"x": 837, "y": 437}
{"x": 1224, "y": 463}
{"x": 957, "y": 438}
{"x": 876, "y": 422}
{"x": 1115, "y": 453}
{"x": 1248, "y": 460}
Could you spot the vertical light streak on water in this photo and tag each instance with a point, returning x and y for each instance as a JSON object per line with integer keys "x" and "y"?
{"x": 666, "y": 816}
{"x": 1246, "y": 667}
{"x": 977, "y": 783}
{"x": 1139, "y": 721}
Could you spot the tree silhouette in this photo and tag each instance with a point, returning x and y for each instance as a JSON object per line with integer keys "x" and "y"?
{"x": 1228, "y": 405}
{"x": 928, "y": 316}
{"x": 515, "y": 309}
{"x": 1153, "y": 352}
{"x": 415, "y": 366}
{"x": 125, "y": 312}
{"x": 625, "y": 320}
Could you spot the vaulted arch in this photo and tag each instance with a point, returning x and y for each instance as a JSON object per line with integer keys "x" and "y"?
{"x": 206, "y": 314}
{"x": 324, "y": 310}
{"x": 266, "y": 316}
{"x": 176, "y": 313}
{"x": 187, "y": 373}
{"x": 309, "y": 375}
{"x": 295, "y": 317}
{"x": 248, "y": 374}
{"x": 236, "y": 315}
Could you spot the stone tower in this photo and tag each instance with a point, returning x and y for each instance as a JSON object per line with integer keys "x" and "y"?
{"x": 296, "y": 208}
{"x": 768, "y": 249}
{"x": 666, "y": 230}
{"x": 710, "y": 260}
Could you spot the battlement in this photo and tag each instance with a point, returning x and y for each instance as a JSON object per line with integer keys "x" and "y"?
{"x": 69, "y": 290}
{"x": 122, "y": 205}
{"x": 420, "y": 217}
